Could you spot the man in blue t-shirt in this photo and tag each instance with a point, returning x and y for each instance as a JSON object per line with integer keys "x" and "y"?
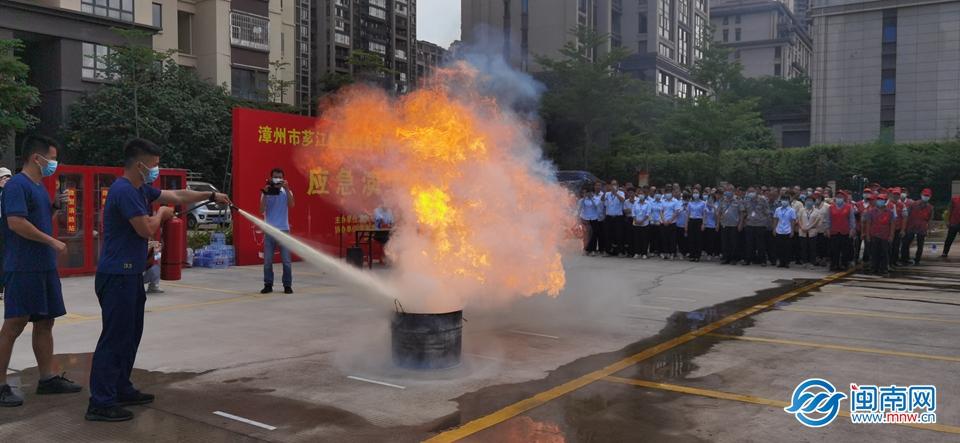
{"x": 30, "y": 276}
{"x": 128, "y": 224}
{"x": 276, "y": 199}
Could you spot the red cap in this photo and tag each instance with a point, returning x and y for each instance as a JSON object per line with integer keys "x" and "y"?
{"x": 868, "y": 189}
{"x": 926, "y": 192}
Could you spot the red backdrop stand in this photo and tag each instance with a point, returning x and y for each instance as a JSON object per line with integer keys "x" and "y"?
{"x": 264, "y": 140}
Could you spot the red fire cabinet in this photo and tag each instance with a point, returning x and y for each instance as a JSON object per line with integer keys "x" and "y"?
{"x": 80, "y": 222}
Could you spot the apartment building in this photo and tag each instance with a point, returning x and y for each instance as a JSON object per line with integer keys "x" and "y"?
{"x": 63, "y": 40}
{"x": 430, "y": 56}
{"x": 667, "y": 38}
{"x": 387, "y": 28}
{"x": 886, "y": 70}
{"x": 765, "y": 37}
{"x": 240, "y": 44}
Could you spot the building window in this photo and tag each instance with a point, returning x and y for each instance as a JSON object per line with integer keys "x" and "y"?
{"x": 666, "y": 51}
{"x": 115, "y": 9}
{"x": 248, "y": 83}
{"x": 400, "y": 54}
{"x": 185, "y": 32}
{"x": 683, "y": 89}
{"x": 94, "y": 61}
{"x": 726, "y": 35}
{"x": 890, "y": 30}
{"x": 249, "y": 31}
{"x": 699, "y": 31}
{"x": 684, "y": 11}
{"x": 664, "y": 24}
{"x": 737, "y": 19}
{"x": 887, "y": 131}
{"x": 684, "y": 48}
{"x": 341, "y": 39}
{"x": 377, "y": 12}
{"x": 643, "y": 23}
{"x": 665, "y": 83}
{"x": 157, "y": 15}
{"x": 777, "y": 70}
{"x": 778, "y": 52}
{"x": 888, "y": 82}
{"x": 726, "y": 20}
{"x": 379, "y": 48}
{"x": 702, "y": 5}
{"x": 737, "y": 33}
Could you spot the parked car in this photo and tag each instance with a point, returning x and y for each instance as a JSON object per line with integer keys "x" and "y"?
{"x": 577, "y": 180}
{"x": 211, "y": 213}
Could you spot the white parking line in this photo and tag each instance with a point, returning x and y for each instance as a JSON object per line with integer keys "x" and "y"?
{"x": 517, "y": 331}
{"x": 383, "y": 383}
{"x": 245, "y": 420}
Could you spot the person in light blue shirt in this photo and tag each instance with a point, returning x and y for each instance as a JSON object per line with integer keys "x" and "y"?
{"x": 711, "y": 229}
{"x": 589, "y": 208}
{"x": 696, "y": 209}
{"x": 670, "y": 205}
{"x": 613, "y": 217}
{"x": 276, "y": 199}
{"x": 653, "y": 229}
{"x": 785, "y": 219}
{"x": 641, "y": 222}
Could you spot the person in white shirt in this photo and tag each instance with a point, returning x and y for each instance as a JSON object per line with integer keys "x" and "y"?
{"x": 809, "y": 221}
{"x": 613, "y": 218}
{"x": 588, "y": 208}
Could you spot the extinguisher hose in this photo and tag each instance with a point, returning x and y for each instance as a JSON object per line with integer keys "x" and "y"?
{"x": 198, "y": 205}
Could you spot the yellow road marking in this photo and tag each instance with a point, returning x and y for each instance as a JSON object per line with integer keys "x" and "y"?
{"x": 225, "y": 291}
{"x": 525, "y": 405}
{"x": 839, "y": 347}
{"x": 755, "y": 400}
{"x": 865, "y": 314}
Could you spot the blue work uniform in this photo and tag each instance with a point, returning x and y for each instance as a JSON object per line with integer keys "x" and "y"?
{"x": 710, "y": 216}
{"x": 32, "y": 285}
{"x": 670, "y": 209}
{"x": 682, "y": 215}
{"x": 119, "y": 288}
{"x": 656, "y": 212}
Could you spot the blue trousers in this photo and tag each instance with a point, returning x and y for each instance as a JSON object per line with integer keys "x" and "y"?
{"x": 122, "y": 300}
{"x": 270, "y": 245}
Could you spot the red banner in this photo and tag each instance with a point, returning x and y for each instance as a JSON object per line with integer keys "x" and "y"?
{"x": 265, "y": 140}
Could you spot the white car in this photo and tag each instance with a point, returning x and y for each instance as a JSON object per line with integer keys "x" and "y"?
{"x": 211, "y": 213}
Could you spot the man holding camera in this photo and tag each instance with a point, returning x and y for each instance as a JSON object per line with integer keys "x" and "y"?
{"x": 275, "y": 201}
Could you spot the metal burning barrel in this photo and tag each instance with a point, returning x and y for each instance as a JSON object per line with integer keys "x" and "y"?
{"x": 427, "y": 341}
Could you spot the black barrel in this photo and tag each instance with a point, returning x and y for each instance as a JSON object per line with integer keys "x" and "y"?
{"x": 427, "y": 341}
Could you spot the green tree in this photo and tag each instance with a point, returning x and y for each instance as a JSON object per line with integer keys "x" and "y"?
{"x": 716, "y": 71}
{"x": 276, "y": 86}
{"x": 711, "y": 126}
{"x": 776, "y": 95}
{"x": 594, "y": 112}
{"x": 16, "y": 96}
{"x": 148, "y": 94}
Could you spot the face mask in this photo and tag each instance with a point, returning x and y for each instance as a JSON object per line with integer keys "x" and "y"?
{"x": 152, "y": 174}
{"x": 881, "y": 203}
{"x": 809, "y": 205}
{"x": 751, "y": 195}
{"x": 696, "y": 196}
{"x": 803, "y": 197}
{"x": 276, "y": 181}
{"x": 657, "y": 196}
{"x": 784, "y": 203}
{"x": 925, "y": 198}
{"x": 727, "y": 194}
{"x": 643, "y": 197}
{"x": 839, "y": 201}
{"x": 48, "y": 169}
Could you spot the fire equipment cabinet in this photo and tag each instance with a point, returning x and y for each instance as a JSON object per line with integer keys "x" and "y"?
{"x": 80, "y": 221}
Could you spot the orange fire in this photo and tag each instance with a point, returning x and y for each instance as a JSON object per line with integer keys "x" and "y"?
{"x": 479, "y": 215}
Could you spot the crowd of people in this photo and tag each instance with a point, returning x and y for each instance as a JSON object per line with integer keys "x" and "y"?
{"x": 761, "y": 225}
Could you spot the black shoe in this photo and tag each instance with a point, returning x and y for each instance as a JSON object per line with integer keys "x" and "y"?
{"x": 8, "y": 399}
{"x": 288, "y": 290}
{"x": 266, "y": 289}
{"x": 114, "y": 413}
{"x": 139, "y": 399}
{"x": 58, "y": 385}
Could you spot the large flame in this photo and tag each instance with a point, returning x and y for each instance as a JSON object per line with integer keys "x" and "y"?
{"x": 479, "y": 215}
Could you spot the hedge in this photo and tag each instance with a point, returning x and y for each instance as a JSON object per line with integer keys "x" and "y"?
{"x": 916, "y": 166}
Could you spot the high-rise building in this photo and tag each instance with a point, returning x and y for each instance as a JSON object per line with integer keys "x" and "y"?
{"x": 429, "y": 57}
{"x": 661, "y": 34}
{"x": 764, "y": 36}
{"x": 238, "y": 43}
{"x": 387, "y": 28}
{"x": 667, "y": 37}
{"x": 888, "y": 71}
{"x": 64, "y": 41}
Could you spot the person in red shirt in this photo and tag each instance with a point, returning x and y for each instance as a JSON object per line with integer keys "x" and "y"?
{"x": 896, "y": 203}
{"x": 862, "y": 207}
{"x": 880, "y": 225}
{"x": 841, "y": 222}
{"x": 920, "y": 213}
{"x": 953, "y": 223}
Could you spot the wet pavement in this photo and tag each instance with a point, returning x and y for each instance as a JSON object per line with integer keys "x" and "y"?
{"x": 632, "y": 351}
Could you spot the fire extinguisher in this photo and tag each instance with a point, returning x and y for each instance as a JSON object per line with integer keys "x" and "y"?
{"x": 173, "y": 236}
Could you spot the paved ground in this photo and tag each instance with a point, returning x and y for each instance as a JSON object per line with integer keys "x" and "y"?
{"x": 631, "y": 351}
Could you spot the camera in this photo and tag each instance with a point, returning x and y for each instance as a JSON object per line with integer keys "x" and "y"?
{"x": 273, "y": 187}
